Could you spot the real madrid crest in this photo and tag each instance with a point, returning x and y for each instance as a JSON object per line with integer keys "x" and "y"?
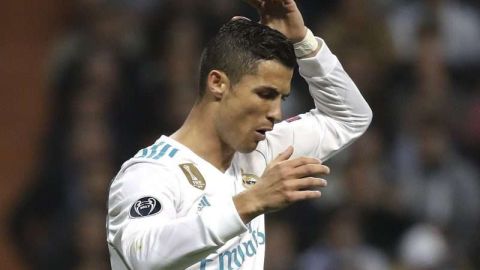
{"x": 248, "y": 179}
{"x": 195, "y": 178}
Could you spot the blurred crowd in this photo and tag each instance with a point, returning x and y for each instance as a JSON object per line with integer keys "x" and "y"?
{"x": 405, "y": 196}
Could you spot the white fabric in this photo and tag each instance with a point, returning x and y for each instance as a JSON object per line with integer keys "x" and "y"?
{"x": 201, "y": 229}
{"x": 306, "y": 46}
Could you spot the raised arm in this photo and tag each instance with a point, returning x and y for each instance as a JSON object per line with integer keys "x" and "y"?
{"x": 341, "y": 114}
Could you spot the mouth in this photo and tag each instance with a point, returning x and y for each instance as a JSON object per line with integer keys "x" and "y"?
{"x": 261, "y": 133}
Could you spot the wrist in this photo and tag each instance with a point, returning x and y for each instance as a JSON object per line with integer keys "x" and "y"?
{"x": 248, "y": 207}
{"x": 300, "y": 36}
{"x": 307, "y": 46}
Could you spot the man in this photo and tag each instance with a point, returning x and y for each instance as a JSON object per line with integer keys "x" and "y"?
{"x": 194, "y": 200}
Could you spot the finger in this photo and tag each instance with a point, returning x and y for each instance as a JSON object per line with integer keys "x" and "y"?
{"x": 309, "y": 170}
{"x": 307, "y": 183}
{"x": 285, "y": 155}
{"x": 303, "y": 161}
{"x": 304, "y": 195}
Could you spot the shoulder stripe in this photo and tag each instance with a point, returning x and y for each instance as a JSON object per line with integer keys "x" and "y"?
{"x": 152, "y": 151}
{"x": 162, "y": 152}
{"x": 143, "y": 153}
{"x": 173, "y": 152}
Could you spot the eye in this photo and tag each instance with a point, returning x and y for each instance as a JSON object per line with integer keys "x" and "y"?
{"x": 268, "y": 94}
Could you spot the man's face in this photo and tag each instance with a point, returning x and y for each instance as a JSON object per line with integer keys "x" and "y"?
{"x": 249, "y": 108}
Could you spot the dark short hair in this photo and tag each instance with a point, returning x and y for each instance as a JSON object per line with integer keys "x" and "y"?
{"x": 239, "y": 46}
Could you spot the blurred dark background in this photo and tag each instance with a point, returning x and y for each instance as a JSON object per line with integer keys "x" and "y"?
{"x": 86, "y": 83}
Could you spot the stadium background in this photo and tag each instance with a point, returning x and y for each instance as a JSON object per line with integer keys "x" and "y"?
{"x": 85, "y": 83}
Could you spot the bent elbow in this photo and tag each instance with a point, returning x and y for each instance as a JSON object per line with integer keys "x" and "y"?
{"x": 360, "y": 122}
{"x": 368, "y": 119}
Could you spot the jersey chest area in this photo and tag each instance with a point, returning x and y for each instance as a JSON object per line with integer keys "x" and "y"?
{"x": 201, "y": 184}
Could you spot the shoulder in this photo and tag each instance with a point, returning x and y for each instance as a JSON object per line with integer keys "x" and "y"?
{"x": 152, "y": 167}
{"x": 161, "y": 164}
{"x": 160, "y": 150}
{"x": 158, "y": 158}
{"x": 138, "y": 176}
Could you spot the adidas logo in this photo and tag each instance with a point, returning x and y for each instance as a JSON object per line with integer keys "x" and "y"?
{"x": 203, "y": 203}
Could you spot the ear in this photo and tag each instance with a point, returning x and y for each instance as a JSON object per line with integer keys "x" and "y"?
{"x": 217, "y": 83}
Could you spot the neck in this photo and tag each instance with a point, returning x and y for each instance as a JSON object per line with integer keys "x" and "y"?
{"x": 199, "y": 134}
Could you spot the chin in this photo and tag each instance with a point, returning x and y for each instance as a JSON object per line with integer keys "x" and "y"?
{"x": 245, "y": 149}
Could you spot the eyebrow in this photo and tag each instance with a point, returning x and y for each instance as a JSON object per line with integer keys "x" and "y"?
{"x": 271, "y": 88}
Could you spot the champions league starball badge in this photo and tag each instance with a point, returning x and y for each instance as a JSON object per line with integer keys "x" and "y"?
{"x": 145, "y": 206}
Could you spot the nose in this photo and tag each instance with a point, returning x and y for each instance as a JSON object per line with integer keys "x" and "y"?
{"x": 275, "y": 111}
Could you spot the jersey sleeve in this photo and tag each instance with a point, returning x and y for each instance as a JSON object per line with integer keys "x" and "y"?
{"x": 341, "y": 114}
{"x": 144, "y": 228}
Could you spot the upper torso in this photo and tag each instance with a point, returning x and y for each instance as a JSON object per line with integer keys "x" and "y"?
{"x": 201, "y": 185}
{"x": 164, "y": 214}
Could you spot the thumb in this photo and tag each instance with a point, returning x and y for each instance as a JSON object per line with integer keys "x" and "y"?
{"x": 284, "y": 155}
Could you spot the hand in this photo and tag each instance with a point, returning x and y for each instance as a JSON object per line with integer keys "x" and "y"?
{"x": 281, "y": 15}
{"x": 283, "y": 183}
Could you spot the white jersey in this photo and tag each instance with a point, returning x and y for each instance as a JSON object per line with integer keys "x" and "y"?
{"x": 170, "y": 209}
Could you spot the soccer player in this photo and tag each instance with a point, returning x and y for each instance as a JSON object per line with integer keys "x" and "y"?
{"x": 196, "y": 199}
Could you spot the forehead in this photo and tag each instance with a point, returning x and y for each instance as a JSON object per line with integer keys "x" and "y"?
{"x": 269, "y": 73}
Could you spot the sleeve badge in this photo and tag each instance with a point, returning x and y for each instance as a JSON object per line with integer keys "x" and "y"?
{"x": 144, "y": 207}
